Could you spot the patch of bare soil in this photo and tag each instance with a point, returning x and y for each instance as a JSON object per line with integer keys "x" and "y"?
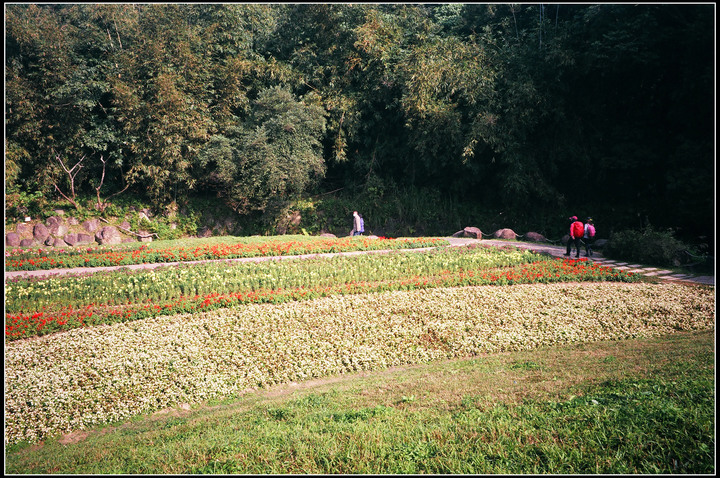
{"x": 182, "y": 411}
{"x": 73, "y": 437}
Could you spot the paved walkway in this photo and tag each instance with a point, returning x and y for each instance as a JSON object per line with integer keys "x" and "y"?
{"x": 556, "y": 251}
{"x": 597, "y": 257}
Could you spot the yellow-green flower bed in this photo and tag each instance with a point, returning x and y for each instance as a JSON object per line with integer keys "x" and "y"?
{"x": 76, "y": 379}
{"x": 39, "y": 307}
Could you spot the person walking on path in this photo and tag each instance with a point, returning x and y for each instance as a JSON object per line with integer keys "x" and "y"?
{"x": 576, "y": 233}
{"x": 357, "y": 224}
{"x": 589, "y": 236}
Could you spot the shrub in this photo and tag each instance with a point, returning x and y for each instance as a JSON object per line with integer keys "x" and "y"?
{"x": 21, "y": 204}
{"x": 647, "y": 247}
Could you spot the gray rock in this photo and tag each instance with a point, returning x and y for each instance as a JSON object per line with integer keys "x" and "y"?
{"x": 52, "y": 220}
{"x": 40, "y": 232}
{"x": 24, "y": 229}
{"x": 472, "y": 232}
{"x": 108, "y": 235}
{"x": 12, "y": 239}
{"x": 599, "y": 244}
{"x": 145, "y": 239}
{"x": 58, "y": 229}
{"x": 91, "y": 225}
{"x": 535, "y": 237}
{"x": 505, "y": 234}
{"x": 71, "y": 239}
{"x": 28, "y": 243}
{"x": 84, "y": 238}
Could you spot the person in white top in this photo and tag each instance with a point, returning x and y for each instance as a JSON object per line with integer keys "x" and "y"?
{"x": 589, "y": 236}
{"x": 357, "y": 224}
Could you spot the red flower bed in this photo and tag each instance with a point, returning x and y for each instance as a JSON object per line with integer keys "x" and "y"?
{"x": 147, "y": 255}
{"x": 48, "y": 320}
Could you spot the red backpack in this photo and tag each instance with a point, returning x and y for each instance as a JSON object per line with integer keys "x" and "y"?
{"x": 578, "y": 229}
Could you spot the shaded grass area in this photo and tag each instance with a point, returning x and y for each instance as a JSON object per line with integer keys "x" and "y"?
{"x": 634, "y": 406}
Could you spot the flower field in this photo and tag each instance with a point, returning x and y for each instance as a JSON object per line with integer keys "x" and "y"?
{"x": 95, "y": 375}
{"x": 43, "y": 259}
{"x": 88, "y": 349}
{"x": 39, "y": 307}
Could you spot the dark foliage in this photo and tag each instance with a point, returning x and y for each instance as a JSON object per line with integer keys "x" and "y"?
{"x": 533, "y": 111}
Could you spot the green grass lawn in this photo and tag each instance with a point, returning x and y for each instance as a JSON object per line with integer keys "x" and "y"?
{"x": 631, "y": 406}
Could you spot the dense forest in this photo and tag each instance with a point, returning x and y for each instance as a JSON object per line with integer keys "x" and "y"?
{"x": 527, "y": 110}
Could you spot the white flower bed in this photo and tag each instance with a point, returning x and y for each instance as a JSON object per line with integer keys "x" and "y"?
{"x": 74, "y": 380}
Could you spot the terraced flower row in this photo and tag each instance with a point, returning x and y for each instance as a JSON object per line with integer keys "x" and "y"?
{"x": 77, "y": 379}
{"x": 38, "y": 259}
{"x": 38, "y": 307}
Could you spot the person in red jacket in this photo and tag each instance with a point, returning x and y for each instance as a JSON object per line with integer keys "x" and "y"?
{"x": 577, "y": 230}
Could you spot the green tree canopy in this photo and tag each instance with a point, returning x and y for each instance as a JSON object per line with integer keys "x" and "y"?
{"x": 271, "y": 157}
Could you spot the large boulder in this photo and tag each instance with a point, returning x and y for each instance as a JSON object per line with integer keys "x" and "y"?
{"x": 40, "y": 232}
{"x": 85, "y": 238}
{"x": 24, "y": 229}
{"x": 53, "y": 241}
{"x": 78, "y": 239}
{"x": 54, "y": 220}
{"x": 71, "y": 239}
{"x": 504, "y": 234}
{"x": 145, "y": 236}
{"x": 12, "y": 239}
{"x": 58, "y": 229}
{"x": 28, "y": 243}
{"x": 108, "y": 235}
{"x": 599, "y": 244}
{"x": 472, "y": 232}
{"x": 91, "y": 225}
{"x": 535, "y": 237}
